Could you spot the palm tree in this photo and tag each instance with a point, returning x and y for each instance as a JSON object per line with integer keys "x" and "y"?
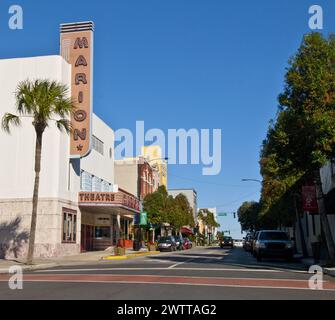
{"x": 43, "y": 101}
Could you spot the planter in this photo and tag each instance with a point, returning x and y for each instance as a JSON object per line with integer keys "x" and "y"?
{"x": 128, "y": 244}
{"x": 152, "y": 247}
{"x": 119, "y": 251}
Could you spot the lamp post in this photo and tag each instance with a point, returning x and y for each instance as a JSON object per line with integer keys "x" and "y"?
{"x": 252, "y": 180}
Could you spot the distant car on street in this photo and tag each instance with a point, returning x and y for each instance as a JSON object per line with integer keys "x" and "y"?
{"x": 227, "y": 242}
{"x": 179, "y": 243}
{"x": 253, "y": 245}
{"x": 247, "y": 245}
{"x": 167, "y": 244}
{"x": 273, "y": 244}
{"x": 187, "y": 244}
{"x": 238, "y": 243}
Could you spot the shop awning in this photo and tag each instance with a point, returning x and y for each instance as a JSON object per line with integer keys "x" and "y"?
{"x": 186, "y": 230}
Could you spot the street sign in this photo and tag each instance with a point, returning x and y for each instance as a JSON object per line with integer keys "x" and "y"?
{"x": 222, "y": 214}
{"x": 143, "y": 219}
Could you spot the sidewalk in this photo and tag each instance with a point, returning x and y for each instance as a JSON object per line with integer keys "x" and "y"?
{"x": 81, "y": 259}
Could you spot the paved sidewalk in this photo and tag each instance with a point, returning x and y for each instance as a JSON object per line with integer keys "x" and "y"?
{"x": 81, "y": 259}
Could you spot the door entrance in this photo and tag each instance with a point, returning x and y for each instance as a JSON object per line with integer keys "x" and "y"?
{"x": 87, "y": 236}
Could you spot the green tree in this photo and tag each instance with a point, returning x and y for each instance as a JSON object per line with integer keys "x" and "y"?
{"x": 159, "y": 206}
{"x": 303, "y": 139}
{"x": 249, "y": 216}
{"x": 184, "y": 211}
{"x": 42, "y": 101}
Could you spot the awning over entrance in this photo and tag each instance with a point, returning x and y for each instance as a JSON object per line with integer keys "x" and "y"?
{"x": 187, "y": 231}
{"x": 122, "y": 202}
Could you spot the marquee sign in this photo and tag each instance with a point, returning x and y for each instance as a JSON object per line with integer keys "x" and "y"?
{"x": 77, "y": 49}
{"x": 109, "y": 199}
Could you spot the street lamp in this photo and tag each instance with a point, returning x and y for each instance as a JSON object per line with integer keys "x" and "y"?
{"x": 253, "y": 180}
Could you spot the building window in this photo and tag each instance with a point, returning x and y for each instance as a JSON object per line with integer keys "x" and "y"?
{"x": 69, "y": 226}
{"x": 86, "y": 181}
{"x": 97, "y": 145}
{"x": 96, "y": 184}
{"x": 332, "y": 167}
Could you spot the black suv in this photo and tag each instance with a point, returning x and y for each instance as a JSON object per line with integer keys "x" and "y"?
{"x": 273, "y": 244}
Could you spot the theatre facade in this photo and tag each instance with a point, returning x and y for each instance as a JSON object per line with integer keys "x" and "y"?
{"x": 80, "y": 206}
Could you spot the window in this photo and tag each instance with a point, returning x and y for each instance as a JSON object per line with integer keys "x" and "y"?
{"x": 98, "y": 145}
{"x": 86, "y": 181}
{"x": 96, "y": 184}
{"x": 332, "y": 167}
{"x": 69, "y": 226}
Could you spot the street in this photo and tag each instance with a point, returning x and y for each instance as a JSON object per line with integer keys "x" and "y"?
{"x": 202, "y": 273}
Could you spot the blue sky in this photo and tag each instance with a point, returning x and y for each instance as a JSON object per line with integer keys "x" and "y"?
{"x": 183, "y": 64}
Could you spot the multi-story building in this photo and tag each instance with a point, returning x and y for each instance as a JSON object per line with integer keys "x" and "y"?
{"x": 135, "y": 175}
{"x": 154, "y": 156}
{"x": 80, "y": 206}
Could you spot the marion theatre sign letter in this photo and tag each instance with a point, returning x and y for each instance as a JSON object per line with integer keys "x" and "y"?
{"x": 77, "y": 49}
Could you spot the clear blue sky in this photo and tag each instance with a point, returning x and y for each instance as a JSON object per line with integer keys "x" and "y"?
{"x": 183, "y": 64}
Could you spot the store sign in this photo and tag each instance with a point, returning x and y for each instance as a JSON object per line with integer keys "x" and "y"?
{"x": 109, "y": 199}
{"x": 77, "y": 49}
{"x": 309, "y": 199}
{"x": 103, "y": 220}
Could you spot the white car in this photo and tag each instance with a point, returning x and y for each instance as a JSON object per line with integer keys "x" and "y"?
{"x": 238, "y": 243}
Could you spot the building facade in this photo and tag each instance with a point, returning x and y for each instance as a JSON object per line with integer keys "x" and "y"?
{"x": 154, "y": 155}
{"x": 80, "y": 206}
{"x": 135, "y": 175}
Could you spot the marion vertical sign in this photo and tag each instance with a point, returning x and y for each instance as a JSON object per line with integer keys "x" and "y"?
{"x": 77, "y": 49}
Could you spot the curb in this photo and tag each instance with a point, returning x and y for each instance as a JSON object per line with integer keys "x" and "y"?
{"x": 329, "y": 272}
{"x": 131, "y": 256}
{"x": 29, "y": 268}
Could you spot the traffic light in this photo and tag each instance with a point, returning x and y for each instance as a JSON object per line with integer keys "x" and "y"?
{"x": 234, "y": 215}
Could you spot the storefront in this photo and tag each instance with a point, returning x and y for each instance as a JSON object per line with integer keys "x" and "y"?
{"x": 107, "y": 218}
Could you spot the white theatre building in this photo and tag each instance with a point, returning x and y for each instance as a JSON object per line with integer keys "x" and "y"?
{"x": 80, "y": 207}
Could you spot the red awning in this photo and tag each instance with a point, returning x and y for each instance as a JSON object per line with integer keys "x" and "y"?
{"x": 187, "y": 231}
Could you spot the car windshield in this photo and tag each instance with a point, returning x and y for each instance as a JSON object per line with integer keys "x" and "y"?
{"x": 227, "y": 239}
{"x": 165, "y": 239}
{"x": 275, "y": 236}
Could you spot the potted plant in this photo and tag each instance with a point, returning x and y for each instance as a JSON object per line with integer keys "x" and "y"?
{"x": 152, "y": 246}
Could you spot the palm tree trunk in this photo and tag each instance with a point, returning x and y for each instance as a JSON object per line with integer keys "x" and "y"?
{"x": 32, "y": 236}
{"x": 324, "y": 219}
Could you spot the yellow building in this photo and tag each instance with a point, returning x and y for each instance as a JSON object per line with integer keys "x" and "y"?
{"x": 154, "y": 155}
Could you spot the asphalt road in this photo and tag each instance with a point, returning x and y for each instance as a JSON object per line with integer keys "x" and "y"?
{"x": 198, "y": 274}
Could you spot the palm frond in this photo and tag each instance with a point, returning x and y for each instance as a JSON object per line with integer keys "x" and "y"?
{"x": 64, "y": 125}
{"x": 8, "y": 120}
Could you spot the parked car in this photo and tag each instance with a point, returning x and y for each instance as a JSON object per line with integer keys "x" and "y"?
{"x": 167, "y": 244}
{"x": 238, "y": 243}
{"x": 188, "y": 244}
{"x": 253, "y": 246}
{"x": 227, "y": 242}
{"x": 248, "y": 242}
{"x": 179, "y": 243}
{"x": 273, "y": 244}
